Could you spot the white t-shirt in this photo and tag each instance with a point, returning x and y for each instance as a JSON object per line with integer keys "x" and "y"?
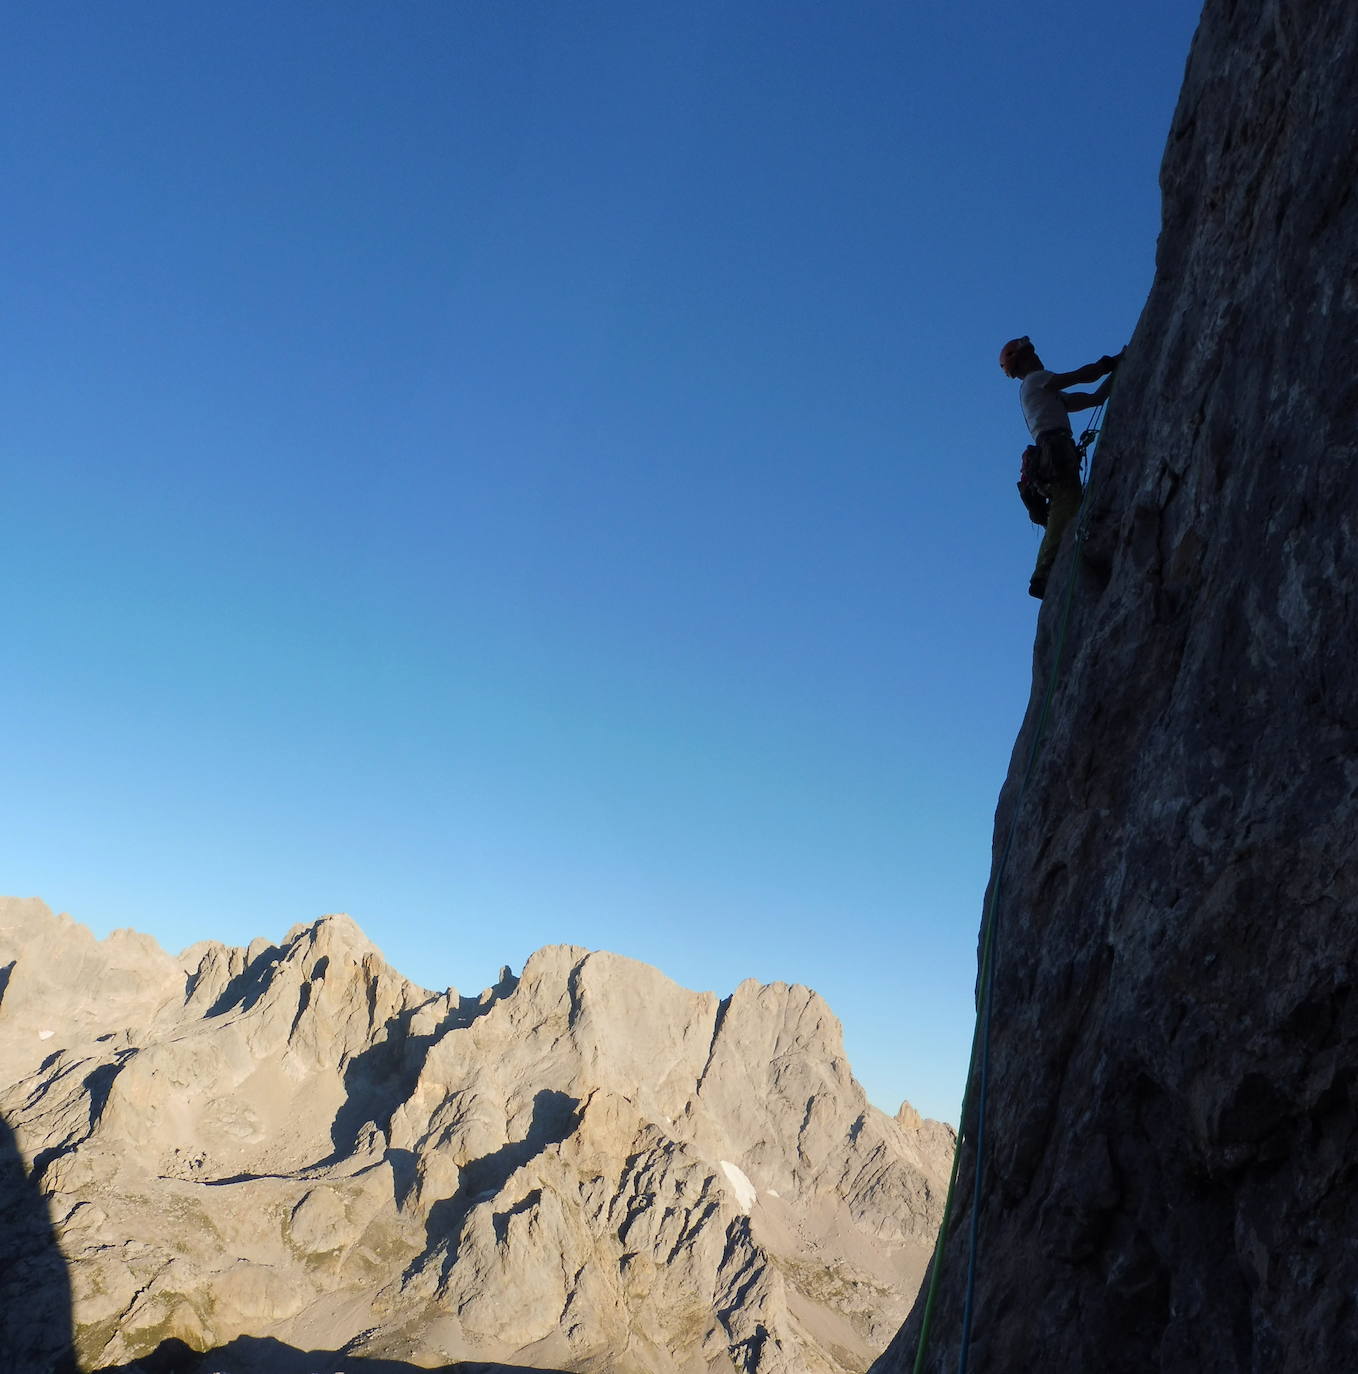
{"x": 1042, "y": 409}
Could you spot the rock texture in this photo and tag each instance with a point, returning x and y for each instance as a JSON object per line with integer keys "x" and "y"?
{"x": 1171, "y": 1182}
{"x": 585, "y": 1168}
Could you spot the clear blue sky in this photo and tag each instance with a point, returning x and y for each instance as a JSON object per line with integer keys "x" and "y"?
{"x": 531, "y": 472}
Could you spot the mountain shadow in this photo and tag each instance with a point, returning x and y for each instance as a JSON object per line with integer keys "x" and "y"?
{"x": 383, "y": 1076}
{"x": 555, "y": 1116}
{"x": 35, "y": 1290}
{"x": 255, "y": 1355}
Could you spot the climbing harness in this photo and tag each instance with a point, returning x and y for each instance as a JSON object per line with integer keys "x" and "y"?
{"x": 1030, "y": 490}
{"x": 1036, "y": 475}
{"x": 979, "y": 1066}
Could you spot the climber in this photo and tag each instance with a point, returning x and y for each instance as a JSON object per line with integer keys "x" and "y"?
{"x": 1046, "y": 407}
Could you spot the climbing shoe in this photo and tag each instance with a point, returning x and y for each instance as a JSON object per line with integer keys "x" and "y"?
{"x": 1037, "y": 587}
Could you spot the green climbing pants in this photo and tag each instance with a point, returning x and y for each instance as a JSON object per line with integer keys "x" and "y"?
{"x": 1060, "y": 462}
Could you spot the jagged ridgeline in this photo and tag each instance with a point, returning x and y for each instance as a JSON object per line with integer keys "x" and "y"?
{"x": 1171, "y": 1177}
{"x": 291, "y": 1148}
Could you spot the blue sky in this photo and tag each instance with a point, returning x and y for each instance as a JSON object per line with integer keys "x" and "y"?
{"x": 525, "y": 473}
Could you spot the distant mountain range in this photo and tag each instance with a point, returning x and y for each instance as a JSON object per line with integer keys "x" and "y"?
{"x": 291, "y": 1157}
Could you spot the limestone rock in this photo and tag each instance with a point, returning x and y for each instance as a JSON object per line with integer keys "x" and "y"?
{"x": 1173, "y": 1109}
{"x": 587, "y": 1167}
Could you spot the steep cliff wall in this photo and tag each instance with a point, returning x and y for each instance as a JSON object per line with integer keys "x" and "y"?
{"x": 1172, "y": 1175}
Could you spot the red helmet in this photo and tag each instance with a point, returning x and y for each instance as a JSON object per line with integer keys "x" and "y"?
{"x": 1012, "y": 351}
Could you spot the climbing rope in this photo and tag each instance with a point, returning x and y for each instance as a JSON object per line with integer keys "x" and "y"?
{"x": 978, "y": 1069}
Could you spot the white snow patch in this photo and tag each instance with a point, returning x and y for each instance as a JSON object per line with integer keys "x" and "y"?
{"x": 46, "y": 1035}
{"x": 774, "y": 1193}
{"x": 744, "y": 1189}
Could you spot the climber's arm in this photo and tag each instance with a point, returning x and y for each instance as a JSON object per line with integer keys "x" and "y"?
{"x": 1090, "y": 372}
{"x": 1087, "y": 400}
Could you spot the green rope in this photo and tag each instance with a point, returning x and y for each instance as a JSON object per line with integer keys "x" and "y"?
{"x": 980, "y": 1035}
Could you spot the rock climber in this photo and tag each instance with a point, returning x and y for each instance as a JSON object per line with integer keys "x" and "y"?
{"x": 1046, "y": 408}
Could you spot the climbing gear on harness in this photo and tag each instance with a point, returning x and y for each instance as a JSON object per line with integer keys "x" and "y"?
{"x": 1056, "y": 457}
{"x": 1030, "y": 492}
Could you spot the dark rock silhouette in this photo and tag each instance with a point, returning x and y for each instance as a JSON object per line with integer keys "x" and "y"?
{"x": 248, "y": 1355}
{"x": 1173, "y": 1114}
{"x": 35, "y": 1292}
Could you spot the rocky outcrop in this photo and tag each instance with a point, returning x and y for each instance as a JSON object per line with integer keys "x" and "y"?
{"x": 587, "y": 1167}
{"x": 1173, "y": 1109}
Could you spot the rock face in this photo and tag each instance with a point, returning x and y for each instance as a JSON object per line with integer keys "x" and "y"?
{"x": 585, "y": 1168}
{"x": 1173, "y": 1131}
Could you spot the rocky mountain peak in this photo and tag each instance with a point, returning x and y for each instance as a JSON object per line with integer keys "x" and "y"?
{"x": 586, "y": 1166}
